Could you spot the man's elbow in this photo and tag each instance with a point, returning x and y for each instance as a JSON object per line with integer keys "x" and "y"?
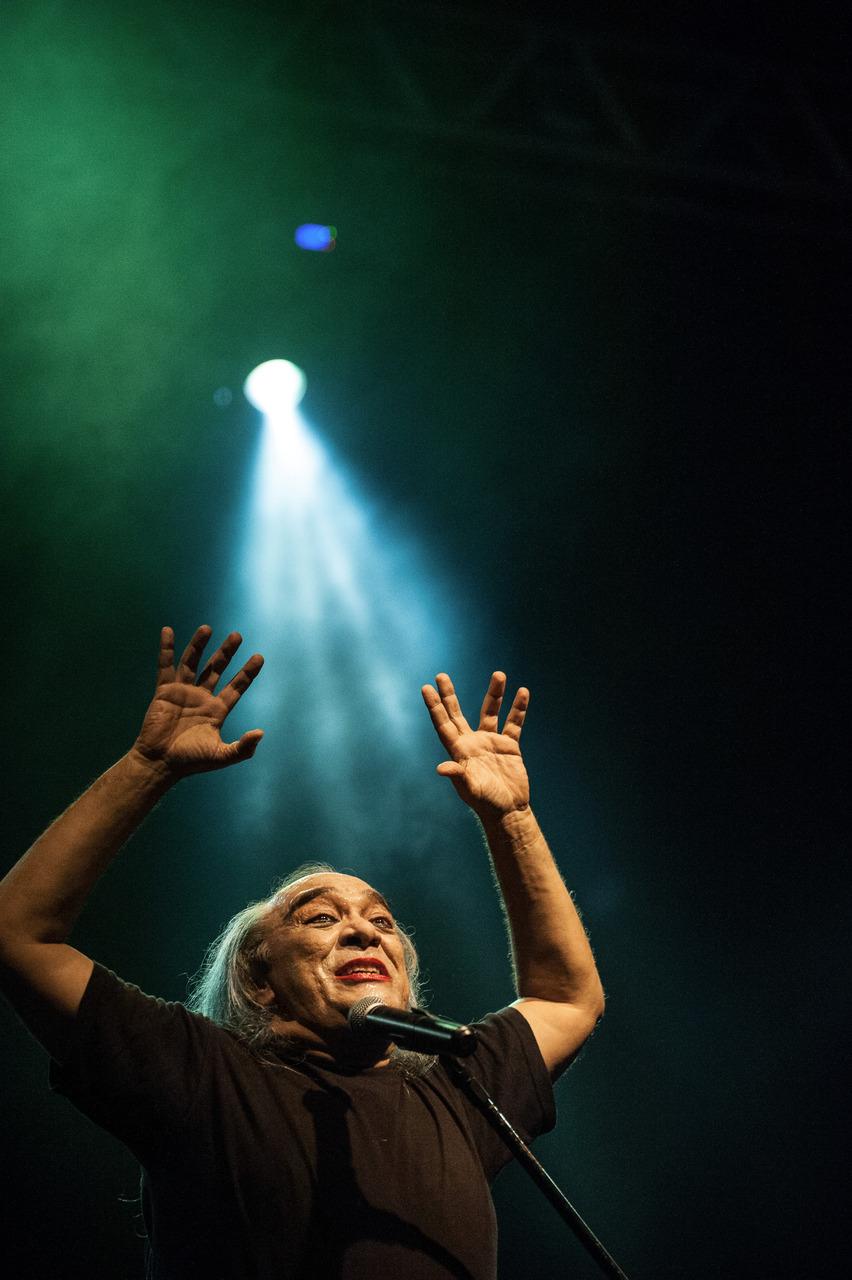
{"x": 589, "y": 1005}
{"x": 598, "y": 1003}
{"x": 588, "y": 1013}
{"x": 584, "y": 994}
{"x": 589, "y": 998}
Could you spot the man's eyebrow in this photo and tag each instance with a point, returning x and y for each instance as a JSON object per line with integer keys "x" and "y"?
{"x": 307, "y": 895}
{"x": 301, "y": 898}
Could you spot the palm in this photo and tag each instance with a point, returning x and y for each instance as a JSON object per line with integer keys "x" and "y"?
{"x": 485, "y": 766}
{"x": 493, "y": 769}
{"x": 182, "y": 725}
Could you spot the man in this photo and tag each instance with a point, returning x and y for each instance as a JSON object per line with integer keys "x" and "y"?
{"x": 274, "y": 1142}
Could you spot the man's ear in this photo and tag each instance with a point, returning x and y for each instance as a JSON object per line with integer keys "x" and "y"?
{"x": 263, "y": 995}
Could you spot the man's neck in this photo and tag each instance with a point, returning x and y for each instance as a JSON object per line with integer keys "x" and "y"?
{"x": 335, "y": 1049}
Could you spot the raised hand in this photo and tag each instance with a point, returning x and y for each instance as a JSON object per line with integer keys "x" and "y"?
{"x": 485, "y": 765}
{"x": 181, "y": 729}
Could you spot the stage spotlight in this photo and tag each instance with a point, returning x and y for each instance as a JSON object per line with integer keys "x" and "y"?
{"x": 352, "y": 617}
{"x": 275, "y": 387}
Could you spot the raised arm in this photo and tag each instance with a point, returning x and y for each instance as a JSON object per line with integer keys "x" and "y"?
{"x": 555, "y": 974}
{"x": 44, "y": 893}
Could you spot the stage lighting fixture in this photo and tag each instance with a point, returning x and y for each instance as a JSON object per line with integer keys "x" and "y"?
{"x": 275, "y": 387}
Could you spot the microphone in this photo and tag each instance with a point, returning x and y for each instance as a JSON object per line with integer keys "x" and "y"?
{"x": 412, "y": 1028}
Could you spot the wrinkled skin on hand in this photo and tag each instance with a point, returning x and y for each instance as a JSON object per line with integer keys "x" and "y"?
{"x": 485, "y": 766}
{"x": 181, "y": 732}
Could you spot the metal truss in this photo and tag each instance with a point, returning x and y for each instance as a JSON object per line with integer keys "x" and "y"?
{"x": 681, "y": 127}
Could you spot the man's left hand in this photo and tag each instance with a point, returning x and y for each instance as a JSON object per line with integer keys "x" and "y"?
{"x": 485, "y": 765}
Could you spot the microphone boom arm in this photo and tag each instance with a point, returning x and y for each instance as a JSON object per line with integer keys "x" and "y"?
{"x": 536, "y": 1170}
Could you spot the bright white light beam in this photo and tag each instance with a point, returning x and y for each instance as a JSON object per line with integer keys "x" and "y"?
{"x": 352, "y": 619}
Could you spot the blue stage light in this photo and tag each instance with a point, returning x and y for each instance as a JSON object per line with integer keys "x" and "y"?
{"x": 317, "y": 238}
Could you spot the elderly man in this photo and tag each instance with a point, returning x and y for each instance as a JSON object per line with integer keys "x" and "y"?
{"x": 274, "y": 1142}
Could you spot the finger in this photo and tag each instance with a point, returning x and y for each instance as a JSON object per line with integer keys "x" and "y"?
{"x": 450, "y": 769}
{"x": 209, "y": 677}
{"x": 491, "y": 705}
{"x": 444, "y": 726}
{"x": 235, "y": 688}
{"x": 166, "y": 659}
{"x": 192, "y": 654}
{"x": 517, "y": 714}
{"x": 451, "y": 702}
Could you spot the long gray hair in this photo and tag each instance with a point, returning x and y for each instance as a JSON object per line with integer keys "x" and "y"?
{"x": 231, "y": 972}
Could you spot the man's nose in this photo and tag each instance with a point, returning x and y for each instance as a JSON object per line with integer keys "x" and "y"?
{"x": 358, "y": 932}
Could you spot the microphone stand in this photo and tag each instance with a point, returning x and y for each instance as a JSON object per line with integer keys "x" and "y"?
{"x": 519, "y": 1149}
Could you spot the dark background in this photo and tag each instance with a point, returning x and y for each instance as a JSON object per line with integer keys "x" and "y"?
{"x": 612, "y": 407}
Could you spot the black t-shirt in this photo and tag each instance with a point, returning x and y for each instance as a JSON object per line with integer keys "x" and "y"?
{"x": 296, "y": 1171}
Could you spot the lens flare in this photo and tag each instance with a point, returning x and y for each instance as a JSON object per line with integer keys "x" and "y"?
{"x": 315, "y": 237}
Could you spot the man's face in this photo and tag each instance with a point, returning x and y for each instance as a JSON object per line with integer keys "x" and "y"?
{"x": 331, "y": 941}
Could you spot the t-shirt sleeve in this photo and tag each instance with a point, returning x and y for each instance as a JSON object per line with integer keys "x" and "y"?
{"x": 509, "y": 1064}
{"x": 134, "y": 1062}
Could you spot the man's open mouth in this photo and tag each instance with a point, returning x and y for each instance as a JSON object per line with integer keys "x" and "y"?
{"x": 363, "y": 971}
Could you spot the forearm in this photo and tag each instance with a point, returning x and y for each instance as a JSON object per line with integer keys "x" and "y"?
{"x": 551, "y": 953}
{"x": 44, "y": 893}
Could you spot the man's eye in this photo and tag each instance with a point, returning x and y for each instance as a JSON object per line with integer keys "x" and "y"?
{"x": 383, "y": 920}
{"x": 322, "y": 915}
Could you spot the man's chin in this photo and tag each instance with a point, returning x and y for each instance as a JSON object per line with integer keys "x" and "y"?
{"x": 383, "y": 990}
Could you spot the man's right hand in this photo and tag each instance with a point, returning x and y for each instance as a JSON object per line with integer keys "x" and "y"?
{"x": 181, "y": 730}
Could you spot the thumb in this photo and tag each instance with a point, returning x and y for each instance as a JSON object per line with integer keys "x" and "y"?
{"x": 245, "y": 747}
{"x": 450, "y": 769}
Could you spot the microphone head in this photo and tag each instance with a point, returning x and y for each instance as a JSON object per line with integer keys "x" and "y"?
{"x": 358, "y": 1012}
